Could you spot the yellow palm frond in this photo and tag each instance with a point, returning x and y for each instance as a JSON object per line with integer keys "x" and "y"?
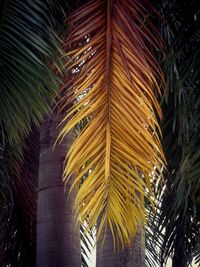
{"x": 113, "y": 80}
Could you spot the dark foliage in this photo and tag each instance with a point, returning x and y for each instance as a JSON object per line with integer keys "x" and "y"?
{"x": 179, "y": 218}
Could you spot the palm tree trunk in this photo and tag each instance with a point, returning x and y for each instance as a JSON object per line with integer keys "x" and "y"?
{"x": 58, "y": 240}
{"x": 133, "y": 256}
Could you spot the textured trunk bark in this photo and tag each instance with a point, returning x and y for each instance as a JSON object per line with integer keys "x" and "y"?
{"x": 58, "y": 240}
{"x": 133, "y": 256}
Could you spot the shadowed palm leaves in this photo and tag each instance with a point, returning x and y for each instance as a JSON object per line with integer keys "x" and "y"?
{"x": 27, "y": 45}
{"x": 19, "y": 169}
{"x": 113, "y": 80}
{"x": 179, "y": 211}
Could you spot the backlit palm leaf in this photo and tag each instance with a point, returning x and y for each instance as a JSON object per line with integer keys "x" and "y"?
{"x": 113, "y": 80}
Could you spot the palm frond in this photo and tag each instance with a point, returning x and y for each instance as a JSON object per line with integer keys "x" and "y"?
{"x": 28, "y": 45}
{"x": 87, "y": 243}
{"x": 179, "y": 215}
{"x": 113, "y": 80}
{"x": 153, "y": 239}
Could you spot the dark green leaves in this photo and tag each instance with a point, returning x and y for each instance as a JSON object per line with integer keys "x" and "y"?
{"x": 28, "y": 46}
{"x": 179, "y": 208}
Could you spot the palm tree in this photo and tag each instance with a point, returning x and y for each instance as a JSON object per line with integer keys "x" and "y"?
{"x": 25, "y": 48}
{"x": 133, "y": 255}
{"x": 58, "y": 240}
{"x": 112, "y": 84}
{"x": 28, "y": 46}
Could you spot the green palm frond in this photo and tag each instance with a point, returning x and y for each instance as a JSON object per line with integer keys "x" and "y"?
{"x": 28, "y": 45}
{"x": 179, "y": 216}
{"x": 153, "y": 237}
